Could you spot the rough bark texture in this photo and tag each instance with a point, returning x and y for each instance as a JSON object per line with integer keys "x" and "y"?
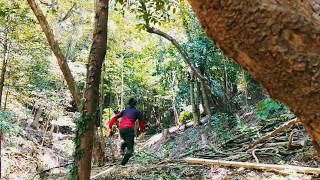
{"x": 278, "y": 42}
{"x": 91, "y": 94}
{"x": 56, "y": 50}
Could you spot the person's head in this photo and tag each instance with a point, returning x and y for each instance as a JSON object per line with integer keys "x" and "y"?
{"x": 132, "y": 102}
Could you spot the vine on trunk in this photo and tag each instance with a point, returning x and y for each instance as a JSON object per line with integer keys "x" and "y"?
{"x": 81, "y": 128}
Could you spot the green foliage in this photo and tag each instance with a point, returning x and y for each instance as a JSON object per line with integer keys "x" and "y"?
{"x": 223, "y": 124}
{"x": 81, "y": 128}
{"x": 254, "y": 89}
{"x": 184, "y": 116}
{"x": 246, "y": 129}
{"x": 151, "y": 12}
{"x": 7, "y": 126}
{"x": 269, "y": 108}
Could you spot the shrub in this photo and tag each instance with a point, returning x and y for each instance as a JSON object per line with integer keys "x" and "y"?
{"x": 269, "y": 108}
{"x": 184, "y": 116}
{"x": 7, "y": 125}
{"x": 223, "y": 124}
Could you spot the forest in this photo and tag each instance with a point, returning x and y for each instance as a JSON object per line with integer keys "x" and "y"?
{"x": 160, "y": 89}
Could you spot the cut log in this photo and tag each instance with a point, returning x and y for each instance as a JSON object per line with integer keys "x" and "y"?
{"x": 278, "y": 130}
{"x": 266, "y": 167}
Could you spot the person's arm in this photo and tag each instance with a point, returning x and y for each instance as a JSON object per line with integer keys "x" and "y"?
{"x": 114, "y": 119}
{"x": 141, "y": 124}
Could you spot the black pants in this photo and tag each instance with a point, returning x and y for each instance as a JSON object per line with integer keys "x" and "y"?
{"x": 127, "y": 134}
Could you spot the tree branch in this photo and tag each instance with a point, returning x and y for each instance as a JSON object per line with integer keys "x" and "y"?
{"x": 63, "y": 64}
{"x": 68, "y": 14}
{"x": 185, "y": 57}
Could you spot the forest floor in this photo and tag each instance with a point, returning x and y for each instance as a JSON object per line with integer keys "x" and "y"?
{"x": 162, "y": 156}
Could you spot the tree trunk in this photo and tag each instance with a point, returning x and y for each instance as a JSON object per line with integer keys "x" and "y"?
{"x": 37, "y": 116}
{"x": 6, "y": 49}
{"x": 122, "y": 106}
{"x": 62, "y": 61}
{"x": 206, "y": 105}
{"x": 197, "y": 99}
{"x": 195, "y": 107}
{"x": 225, "y": 88}
{"x": 175, "y": 113}
{"x": 6, "y": 100}
{"x": 245, "y": 89}
{"x": 278, "y": 42}
{"x": 91, "y": 94}
{"x": 99, "y": 143}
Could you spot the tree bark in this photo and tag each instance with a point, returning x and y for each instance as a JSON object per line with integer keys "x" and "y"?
{"x": 195, "y": 106}
{"x": 37, "y": 116}
{"x": 62, "y": 61}
{"x": 99, "y": 143}
{"x": 206, "y": 105}
{"x": 197, "y": 99}
{"x": 6, "y": 49}
{"x": 278, "y": 42}
{"x": 91, "y": 94}
{"x": 6, "y": 101}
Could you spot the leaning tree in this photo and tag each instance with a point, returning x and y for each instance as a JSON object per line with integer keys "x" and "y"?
{"x": 278, "y": 42}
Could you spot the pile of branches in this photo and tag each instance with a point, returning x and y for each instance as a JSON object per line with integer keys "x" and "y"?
{"x": 277, "y": 143}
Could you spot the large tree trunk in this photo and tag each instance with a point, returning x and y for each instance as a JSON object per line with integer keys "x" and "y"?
{"x": 62, "y": 61}
{"x": 91, "y": 94}
{"x": 278, "y": 42}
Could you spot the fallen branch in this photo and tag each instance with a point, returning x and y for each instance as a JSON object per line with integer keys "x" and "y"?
{"x": 120, "y": 171}
{"x": 267, "y": 167}
{"x": 278, "y": 130}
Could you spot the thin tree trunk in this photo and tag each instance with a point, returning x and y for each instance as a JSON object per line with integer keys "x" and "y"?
{"x": 91, "y": 94}
{"x": 206, "y": 105}
{"x": 102, "y": 96}
{"x": 278, "y": 42}
{"x": 37, "y": 115}
{"x": 245, "y": 89}
{"x": 99, "y": 143}
{"x": 62, "y": 61}
{"x": 122, "y": 86}
{"x": 225, "y": 87}
{"x": 195, "y": 107}
{"x": 6, "y": 100}
{"x": 6, "y": 50}
{"x": 175, "y": 112}
{"x": 197, "y": 99}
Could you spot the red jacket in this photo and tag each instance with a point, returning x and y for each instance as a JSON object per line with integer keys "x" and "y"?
{"x": 129, "y": 116}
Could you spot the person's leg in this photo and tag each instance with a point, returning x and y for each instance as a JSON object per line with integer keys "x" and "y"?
{"x": 123, "y": 144}
{"x": 130, "y": 143}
